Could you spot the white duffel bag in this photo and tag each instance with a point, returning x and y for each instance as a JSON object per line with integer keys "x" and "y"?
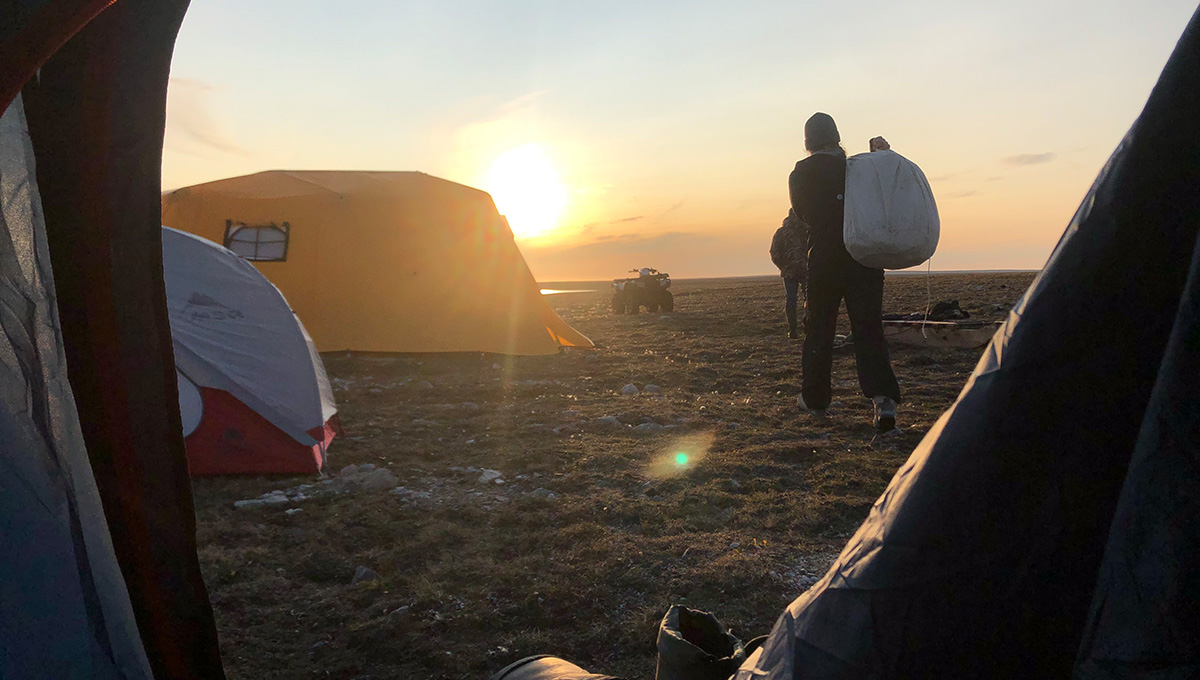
{"x": 891, "y": 219}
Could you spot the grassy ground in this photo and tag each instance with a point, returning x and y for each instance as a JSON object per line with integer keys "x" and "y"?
{"x": 475, "y": 575}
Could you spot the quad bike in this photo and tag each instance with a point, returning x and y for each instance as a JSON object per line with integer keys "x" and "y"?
{"x": 649, "y": 289}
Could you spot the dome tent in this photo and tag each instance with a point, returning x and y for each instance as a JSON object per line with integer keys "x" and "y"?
{"x": 254, "y": 397}
{"x": 381, "y": 261}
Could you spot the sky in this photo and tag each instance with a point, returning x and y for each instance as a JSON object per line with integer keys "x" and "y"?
{"x": 623, "y": 134}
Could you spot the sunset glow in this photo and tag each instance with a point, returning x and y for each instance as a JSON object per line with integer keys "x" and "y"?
{"x": 527, "y": 190}
{"x": 608, "y": 140}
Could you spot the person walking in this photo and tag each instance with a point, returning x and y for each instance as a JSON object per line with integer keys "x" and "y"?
{"x": 817, "y": 187}
{"x": 789, "y": 252}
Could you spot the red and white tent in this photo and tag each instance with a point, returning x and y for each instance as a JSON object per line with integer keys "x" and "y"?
{"x": 253, "y": 394}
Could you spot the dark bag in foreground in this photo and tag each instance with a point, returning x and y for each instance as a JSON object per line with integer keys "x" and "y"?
{"x": 693, "y": 645}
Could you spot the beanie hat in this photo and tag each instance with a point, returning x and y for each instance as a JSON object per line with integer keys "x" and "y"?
{"x": 820, "y": 132}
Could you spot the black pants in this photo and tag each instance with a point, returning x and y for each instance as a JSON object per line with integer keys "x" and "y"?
{"x": 863, "y": 292}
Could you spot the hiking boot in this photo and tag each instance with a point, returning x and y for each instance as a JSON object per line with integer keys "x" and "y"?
{"x": 885, "y": 414}
{"x": 805, "y": 409}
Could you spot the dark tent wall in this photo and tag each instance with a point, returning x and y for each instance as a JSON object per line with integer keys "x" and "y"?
{"x": 96, "y": 113}
{"x": 31, "y": 31}
{"x": 981, "y": 559}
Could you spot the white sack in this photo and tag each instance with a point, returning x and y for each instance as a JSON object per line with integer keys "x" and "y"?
{"x": 891, "y": 219}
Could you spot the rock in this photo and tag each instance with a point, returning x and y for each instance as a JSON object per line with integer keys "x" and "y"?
{"x": 489, "y": 476}
{"x": 349, "y": 471}
{"x": 565, "y": 430}
{"x": 629, "y": 389}
{"x": 646, "y": 428}
{"x": 407, "y": 494}
{"x": 363, "y": 575}
{"x": 652, "y": 389}
{"x": 591, "y": 358}
{"x": 500, "y": 482}
{"x": 469, "y": 406}
{"x": 543, "y": 492}
{"x": 424, "y": 385}
{"x": 378, "y": 480}
{"x": 399, "y": 612}
{"x": 251, "y": 503}
{"x": 367, "y": 467}
{"x": 609, "y": 421}
{"x": 733, "y": 485}
{"x": 732, "y": 546}
{"x": 275, "y": 500}
{"x": 292, "y": 511}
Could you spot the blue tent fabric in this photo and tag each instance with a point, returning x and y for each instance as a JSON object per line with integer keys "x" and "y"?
{"x": 1145, "y": 618}
{"x": 64, "y": 608}
{"x": 981, "y": 559}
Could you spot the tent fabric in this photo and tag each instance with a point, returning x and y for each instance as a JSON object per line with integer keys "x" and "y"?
{"x": 64, "y": 608}
{"x": 1019, "y": 540}
{"x": 33, "y": 30}
{"x": 96, "y": 116}
{"x": 384, "y": 261}
{"x": 234, "y": 332}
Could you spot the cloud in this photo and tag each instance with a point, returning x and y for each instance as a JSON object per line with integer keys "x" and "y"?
{"x": 635, "y": 243}
{"x": 1030, "y": 158}
{"x": 950, "y": 175}
{"x": 629, "y": 219}
{"x": 191, "y": 127}
{"x": 670, "y": 210}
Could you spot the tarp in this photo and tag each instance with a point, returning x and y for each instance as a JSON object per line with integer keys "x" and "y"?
{"x": 383, "y": 261}
{"x": 1019, "y": 540}
{"x": 233, "y": 331}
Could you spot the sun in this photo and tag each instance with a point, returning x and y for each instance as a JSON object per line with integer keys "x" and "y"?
{"x": 525, "y": 186}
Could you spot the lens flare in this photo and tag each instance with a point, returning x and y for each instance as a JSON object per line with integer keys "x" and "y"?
{"x": 681, "y": 455}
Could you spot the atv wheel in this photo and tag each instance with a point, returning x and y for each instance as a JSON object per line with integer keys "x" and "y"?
{"x": 668, "y": 301}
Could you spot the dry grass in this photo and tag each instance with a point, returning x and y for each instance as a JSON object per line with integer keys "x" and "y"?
{"x": 490, "y": 573}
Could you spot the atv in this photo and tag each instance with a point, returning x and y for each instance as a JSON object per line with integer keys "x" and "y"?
{"x": 649, "y": 289}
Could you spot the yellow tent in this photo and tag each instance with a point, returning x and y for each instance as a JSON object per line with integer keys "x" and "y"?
{"x": 380, "y": 261}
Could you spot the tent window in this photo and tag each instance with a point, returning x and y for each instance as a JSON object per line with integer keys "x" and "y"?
{"x": 262, "y": 243}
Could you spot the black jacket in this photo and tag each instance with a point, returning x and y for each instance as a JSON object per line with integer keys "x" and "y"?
{"x": 817, "y": 187}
